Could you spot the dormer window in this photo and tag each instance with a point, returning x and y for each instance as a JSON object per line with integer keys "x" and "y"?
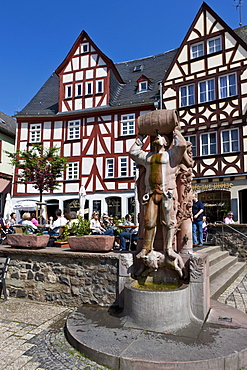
{"x": 143, "y": 86}
{"x": 85, "y": 48}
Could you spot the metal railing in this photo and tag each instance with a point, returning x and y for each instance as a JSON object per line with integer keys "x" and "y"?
{"x": 230, "y": 227}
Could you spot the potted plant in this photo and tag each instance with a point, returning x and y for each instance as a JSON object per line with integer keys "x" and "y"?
{"x": 26, "y": 240}
{"x": 80, "y": 238}
{"x": 62, "y": 241}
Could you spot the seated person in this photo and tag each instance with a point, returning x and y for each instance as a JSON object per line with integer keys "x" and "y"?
{"x": 26, "y": 217}
{"x": 33, "y": 219}
{"x": 60, "y": 221}
{"x": 130, "y": 234}
{"x": 229, "y": 218}
{"x": 96, "y": 227}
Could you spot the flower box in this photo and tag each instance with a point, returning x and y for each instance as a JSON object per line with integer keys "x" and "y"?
{"x": 91, "y": 243}
{"x": 31, "y": 241}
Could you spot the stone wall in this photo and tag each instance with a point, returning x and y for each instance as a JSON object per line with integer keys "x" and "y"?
{"x": 67, "y": 278}
{"x": 230, "y": 239}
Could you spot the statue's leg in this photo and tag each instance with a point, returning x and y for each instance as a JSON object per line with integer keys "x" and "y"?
{"x": 150, "y": 223}
{"x": 168, "y": 229}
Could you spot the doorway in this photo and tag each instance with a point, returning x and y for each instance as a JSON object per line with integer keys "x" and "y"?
{"x": 216, "y": 204}
{"x": 242, "y": 205}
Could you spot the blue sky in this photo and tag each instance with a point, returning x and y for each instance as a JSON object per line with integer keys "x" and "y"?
{"x": 37, "y": 35}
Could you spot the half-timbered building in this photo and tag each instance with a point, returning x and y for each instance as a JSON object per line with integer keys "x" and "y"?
{"x": 89, "y": 108}
{"x": 207, "y": 82}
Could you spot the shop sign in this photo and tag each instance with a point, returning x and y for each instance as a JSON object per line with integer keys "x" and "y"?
{"x": 212, "y": 186}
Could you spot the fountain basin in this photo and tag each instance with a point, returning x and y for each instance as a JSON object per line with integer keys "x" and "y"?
{"x": 157, "y": 310}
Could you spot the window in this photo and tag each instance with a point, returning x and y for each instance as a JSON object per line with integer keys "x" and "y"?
{"x": 187, "y": 95}
{"x": 78, "y": 90}
{"x": 143, "y": 86}
{"x": 35, "y": 133}
{"x": 208, "y": 144}
{"x": 73, "y": 171}
{"x": 123, "y": 166}
{"x": 133, "y": 168}
{"x": 128, "y": 124}
{"x": 229, "y": 141}
{"x": 214, "y": 45}
{"x": 73, "y": 130}
{"x": 137, "y": 68}
{"x": 192, "y": 139}
{"x": 68, "y": 91}
{"x": 206, "y": 91}
{"x": 110, "y": 167}
{"x": 89, "y": 88}
{"x": 85, "y": 48}
{"x": 196, "y": 50}
{"x": 227, "y": 86}
{"x": 100, "y": 87}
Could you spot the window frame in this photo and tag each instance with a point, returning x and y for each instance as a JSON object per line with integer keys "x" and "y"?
{"x": 209, "y": 144}
{"x": 73, "y": 167}
{"x": 231, "y": 141}
{"x": 77, "y": 90}
{"x": 227, "y": 86}
{"x": 133, "y": 168}
{"x": 89, "y": 83}
{"x": 192, "y": 52}
{"x": 214, "y": 46}
{"x": 73, "y": 129}
{"x": 82, "y": 48}
{"x": 67, "y": 88}
{"x": 207, "y": 91}
{"x": 99, "y": 91}
{"x": 120, "y": 167}
{"x": 128, "y": 124}
{"x": 187, "y": 96}
{"x": 34, "y": 129}
{"x": 108, "y": 171}
{"x": 140, "y": 89}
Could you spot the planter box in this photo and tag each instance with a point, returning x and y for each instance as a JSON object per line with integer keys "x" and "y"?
{"x": 91, "y": 243}
{"x": 27, "y": 241}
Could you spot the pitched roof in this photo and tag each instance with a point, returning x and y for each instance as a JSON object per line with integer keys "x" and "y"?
{"x": 7, "y": 124}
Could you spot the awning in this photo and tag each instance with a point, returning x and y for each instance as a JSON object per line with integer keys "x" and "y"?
{"x": 3, "y": 185}
{"x": 25, "y": 205}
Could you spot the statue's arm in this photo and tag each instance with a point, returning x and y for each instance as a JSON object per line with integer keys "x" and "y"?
{"x": 179, "y": 146}
{"x": 136, "y": 152}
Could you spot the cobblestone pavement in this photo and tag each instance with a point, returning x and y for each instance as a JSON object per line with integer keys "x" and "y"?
{"x": 32, "y": 333}
{"x": 236, "y": 294}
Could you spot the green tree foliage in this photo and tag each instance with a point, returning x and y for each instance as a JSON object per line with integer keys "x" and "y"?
{"x": 39, "y": 166}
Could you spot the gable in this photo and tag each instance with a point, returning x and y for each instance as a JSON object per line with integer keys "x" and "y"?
{"x": 206, "y": 27}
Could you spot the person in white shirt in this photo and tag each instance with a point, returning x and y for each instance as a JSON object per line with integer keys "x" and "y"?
{"x": 60, "y": 221}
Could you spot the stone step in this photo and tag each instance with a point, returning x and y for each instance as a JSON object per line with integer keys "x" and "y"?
{"x": 219, "y": 285}
{"x": 210, "y": 249}
{"x": 220, "y": 267}
{"x": 217, "y": 257}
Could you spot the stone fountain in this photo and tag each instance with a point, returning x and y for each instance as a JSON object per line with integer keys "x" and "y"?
{"x": 167, "y": 320}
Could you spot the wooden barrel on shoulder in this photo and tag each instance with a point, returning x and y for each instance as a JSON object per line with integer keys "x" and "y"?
{"x": 162, "y": 121}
